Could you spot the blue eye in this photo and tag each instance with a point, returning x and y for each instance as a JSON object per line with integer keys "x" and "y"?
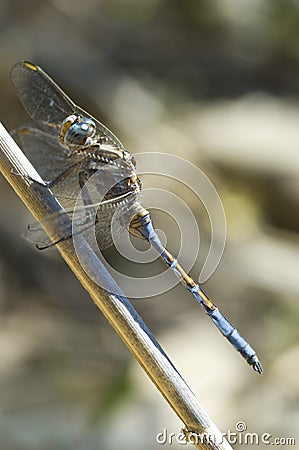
{"x": 78, "y": 132}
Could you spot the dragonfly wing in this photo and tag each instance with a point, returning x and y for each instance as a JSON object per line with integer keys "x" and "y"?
{"x": 39, "y": 94}
{"x": 51, "y": 160}
{"x": 46, "y": 102}
{"x": 92, "y": 221}
{"x": 101, "y": 128}
{"x": 42, "y": 149}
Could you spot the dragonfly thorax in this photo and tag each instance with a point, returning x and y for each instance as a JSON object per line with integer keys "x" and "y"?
{"x": 77, "y": 130}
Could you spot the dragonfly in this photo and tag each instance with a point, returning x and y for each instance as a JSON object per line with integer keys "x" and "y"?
{"x": 70, "y": 147}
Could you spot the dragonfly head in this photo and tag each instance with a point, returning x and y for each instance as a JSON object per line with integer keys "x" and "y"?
{"x": 76, "y": 130}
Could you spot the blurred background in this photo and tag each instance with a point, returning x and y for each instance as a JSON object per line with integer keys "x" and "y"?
{"x": 217, "y": 83}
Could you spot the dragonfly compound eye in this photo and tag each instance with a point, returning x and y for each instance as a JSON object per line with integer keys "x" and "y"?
{"x": 77, "y": 130}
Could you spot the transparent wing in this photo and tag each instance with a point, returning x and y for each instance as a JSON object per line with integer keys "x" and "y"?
{"x": 86, "y": 220}
{"x": 45, "y": 101}
{"x": 101, "y": 129}
{"x": 51, "y": 160}
{"x": 42, "y": 148}
{"x": 39, "y": 94}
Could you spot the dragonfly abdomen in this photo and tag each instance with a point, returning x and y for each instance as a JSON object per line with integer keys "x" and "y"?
{"x": 142, "y": 226}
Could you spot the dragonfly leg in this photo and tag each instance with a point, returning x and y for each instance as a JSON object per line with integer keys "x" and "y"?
{"x": 52, "y": 244}
{"x": 84, "y": 226}
{"x": 142, "y": 226}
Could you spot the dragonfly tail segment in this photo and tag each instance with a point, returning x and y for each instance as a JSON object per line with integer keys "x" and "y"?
{"x": 142, "y": 226}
